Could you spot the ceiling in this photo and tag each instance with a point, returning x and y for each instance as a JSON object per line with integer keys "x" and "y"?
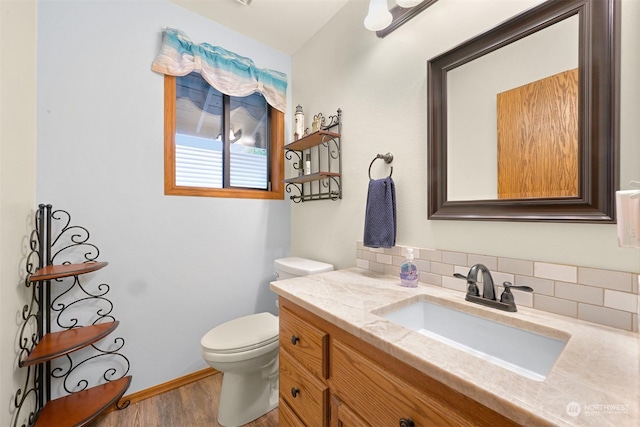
{"x": 285, "y": 25}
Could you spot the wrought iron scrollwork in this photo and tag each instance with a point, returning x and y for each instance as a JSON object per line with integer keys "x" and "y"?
{"x": 333, "y": 120}
{"x": 54, "y": 241}
{"x": 326, "y": 158}
{"x": 289, "y": 156}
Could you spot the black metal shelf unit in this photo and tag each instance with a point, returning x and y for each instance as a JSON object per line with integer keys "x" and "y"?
{"x": 323, "y": 147}
{"x": 64, "y": 330}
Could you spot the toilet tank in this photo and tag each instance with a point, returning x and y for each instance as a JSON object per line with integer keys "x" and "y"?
{"x": 287, "y": 268}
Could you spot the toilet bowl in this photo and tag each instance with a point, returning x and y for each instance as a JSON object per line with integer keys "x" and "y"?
{"x": 245, "y": 350}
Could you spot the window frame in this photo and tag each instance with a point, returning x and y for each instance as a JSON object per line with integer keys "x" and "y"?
{"x": 276, "y": 156}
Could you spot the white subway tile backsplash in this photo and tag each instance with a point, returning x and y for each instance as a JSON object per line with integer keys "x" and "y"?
{"x": 579, "y": 293}
{"x": 499, "y": 278}
{"x": 621, "y": 301}
{"x": 523, "y": 298}
{"x": 605, "y": 316}
{"x": 515, "y": 266}
{"x": 430, "y": 278}
{"x": 362, "y": 263}
{"x": 384, "y": 259}
{"x": 600, "y": 296}
{"x": 459, "y": 258}
{"x": 376, "y": 266}
{"x": 442, "y": 269}
{"x": 616, "y": 280}
{"x": 555, "y": 305}
{"x": 566, "y": 273}
{"x": 422, "y": 264}
{"x": 396, "y": 250}
{"x": 369, "y": 256}
{"x": 392, "y": 270}
{"x": 464, "y": 270}
{"x": 540, "y": 286}
{"x": 431, "y": 255}
{"x": 490, "y": 262}
{"x": 453, "y": 283}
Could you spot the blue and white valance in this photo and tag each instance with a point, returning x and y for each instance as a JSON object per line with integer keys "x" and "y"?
{"x": 226, "y": 71}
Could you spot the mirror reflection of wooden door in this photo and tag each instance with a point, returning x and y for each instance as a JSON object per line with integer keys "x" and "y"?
{"x": 538, "y": 138}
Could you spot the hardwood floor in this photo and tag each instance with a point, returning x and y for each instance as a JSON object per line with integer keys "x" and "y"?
{"x": 192, "y": 405}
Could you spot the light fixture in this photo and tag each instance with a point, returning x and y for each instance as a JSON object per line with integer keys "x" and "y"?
{"x": 408, "y": 3}
{"x": 378, "y": 17}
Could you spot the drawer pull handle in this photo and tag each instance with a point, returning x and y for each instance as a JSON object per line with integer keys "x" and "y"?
{"x": 407, "y": 422}
{"x": 294, "y": 339}
{"x": 295, "y": 392}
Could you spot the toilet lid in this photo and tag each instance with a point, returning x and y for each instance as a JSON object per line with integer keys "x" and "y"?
{"x": 242, "y": 334}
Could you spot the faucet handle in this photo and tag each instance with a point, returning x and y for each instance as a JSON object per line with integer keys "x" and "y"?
{"x": 507, "y": 296}
{"x": 508, "y": 286}
{"x": 472, "y": 287}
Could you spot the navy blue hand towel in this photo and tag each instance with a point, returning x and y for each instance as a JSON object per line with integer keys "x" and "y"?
{"x": 380, "y": 216}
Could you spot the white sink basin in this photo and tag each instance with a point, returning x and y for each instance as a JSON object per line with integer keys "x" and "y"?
{"x": 526, "y": 353}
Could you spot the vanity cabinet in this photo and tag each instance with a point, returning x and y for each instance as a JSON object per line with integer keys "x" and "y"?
{"x": 361, "y": 385}
{"x": 322, "y": 148}
{"x": 304, "y": 369}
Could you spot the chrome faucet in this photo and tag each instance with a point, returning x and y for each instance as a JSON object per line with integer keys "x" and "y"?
{"x": 488, "y": 298}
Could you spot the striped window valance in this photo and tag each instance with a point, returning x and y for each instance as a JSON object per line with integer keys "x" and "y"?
{"x": 226, "y": 71}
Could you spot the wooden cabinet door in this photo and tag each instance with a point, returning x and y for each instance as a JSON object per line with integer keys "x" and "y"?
{"x": 343, "y": 416}
{"x": 538, "y": 138}
{"x": 304, "y": 393}
{"x": 382, "y": 399}
{"x": 286, "y": 416}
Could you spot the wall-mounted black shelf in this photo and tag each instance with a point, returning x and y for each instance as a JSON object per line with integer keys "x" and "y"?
{"x": 323, "y": 147}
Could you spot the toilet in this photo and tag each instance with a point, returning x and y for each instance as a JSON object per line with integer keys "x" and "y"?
{"x": 245, "y": 350}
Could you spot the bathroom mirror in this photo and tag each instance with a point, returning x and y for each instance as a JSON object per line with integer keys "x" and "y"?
{"x": 585, "y": 33}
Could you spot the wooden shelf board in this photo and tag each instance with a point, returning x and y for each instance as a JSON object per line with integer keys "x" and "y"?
{"x": 80, "y": 408}
{"x": 311, "y": 177}
{"x": 57, "y": 271}
{"x": 60, "y": 343}
{"x": 311, "y": 140}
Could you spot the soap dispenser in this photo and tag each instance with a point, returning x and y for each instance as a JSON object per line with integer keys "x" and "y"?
{"x": 408, "y": 271}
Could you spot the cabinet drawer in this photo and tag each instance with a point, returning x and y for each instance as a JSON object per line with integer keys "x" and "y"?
{"x": 381, "y": 398}
{"x": 305, "y": 394}
{"x": 286, "y": 416}
{"x": 308, "y": 344}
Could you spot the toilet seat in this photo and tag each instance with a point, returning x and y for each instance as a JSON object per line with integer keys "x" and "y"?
{"x": 242, "y": 334}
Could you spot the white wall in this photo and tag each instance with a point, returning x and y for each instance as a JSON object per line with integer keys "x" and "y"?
{"x": 17, "y": 183}
{"x": 178, "y": 266}
{"x": 381, "y": 86}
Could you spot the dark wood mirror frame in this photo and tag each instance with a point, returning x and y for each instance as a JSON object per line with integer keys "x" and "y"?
{"x": 598, "y": 109}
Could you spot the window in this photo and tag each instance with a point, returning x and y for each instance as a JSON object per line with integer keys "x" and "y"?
{"x": 221, "y": 146}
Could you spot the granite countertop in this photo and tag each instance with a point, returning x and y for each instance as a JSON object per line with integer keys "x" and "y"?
{"x": 594, "y": 382}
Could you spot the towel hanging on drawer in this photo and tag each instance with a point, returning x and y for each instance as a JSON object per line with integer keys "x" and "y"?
{"x": 380, "y": 215}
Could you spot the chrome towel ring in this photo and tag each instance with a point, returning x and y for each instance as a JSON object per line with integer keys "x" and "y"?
{"x": 388, "y": 158}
